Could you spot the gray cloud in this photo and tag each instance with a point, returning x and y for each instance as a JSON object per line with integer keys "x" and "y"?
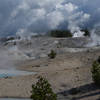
{"x": 26, "y": 17}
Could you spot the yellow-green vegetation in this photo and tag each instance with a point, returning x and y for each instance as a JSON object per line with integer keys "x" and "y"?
{"x": 42, "y": 90}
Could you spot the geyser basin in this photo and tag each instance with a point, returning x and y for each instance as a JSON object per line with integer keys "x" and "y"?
{"x": 13, "y": 73}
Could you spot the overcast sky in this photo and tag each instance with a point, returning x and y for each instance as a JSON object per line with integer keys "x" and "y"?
{"x": 33, "y": 16}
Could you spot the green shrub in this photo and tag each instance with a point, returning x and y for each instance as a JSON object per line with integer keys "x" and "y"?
{"x": 86, "y": 32}
{"x": 96, "y": 72}
{"x": 52, "y": 54}
{"x": 60, "y": 33}
{"x": 42, "y": 91}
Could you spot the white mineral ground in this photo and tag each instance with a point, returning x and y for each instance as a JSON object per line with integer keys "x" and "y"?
{"x": 71, "y": 67}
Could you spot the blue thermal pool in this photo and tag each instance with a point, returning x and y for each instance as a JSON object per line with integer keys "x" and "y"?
{"x": 13, "y": 73}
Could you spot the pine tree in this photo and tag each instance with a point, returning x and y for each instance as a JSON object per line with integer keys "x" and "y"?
{"x": 42, "y": 91}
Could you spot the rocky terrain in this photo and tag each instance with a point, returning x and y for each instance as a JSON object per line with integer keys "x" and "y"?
{"x": 69, "y": 73}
